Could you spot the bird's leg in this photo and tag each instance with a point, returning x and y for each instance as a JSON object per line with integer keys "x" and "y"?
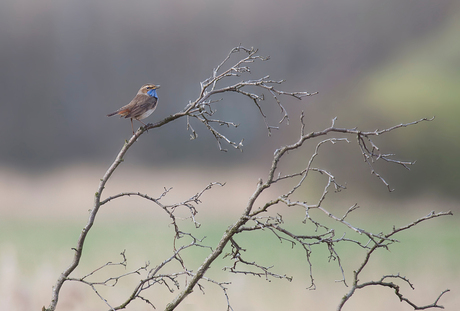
{"x": 132, "y": 126}
{"x": 143, "y": 124}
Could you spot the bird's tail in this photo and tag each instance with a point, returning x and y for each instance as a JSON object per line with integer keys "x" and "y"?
{"x": 123, "y": 112}
{"x": 113, "y": 113}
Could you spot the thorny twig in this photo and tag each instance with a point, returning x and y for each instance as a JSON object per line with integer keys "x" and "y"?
{"x": 202, "y": 110}
{"x": 111, "y": 281}
{"x": 381, "y": 282}
{"x": 275, "y": 224}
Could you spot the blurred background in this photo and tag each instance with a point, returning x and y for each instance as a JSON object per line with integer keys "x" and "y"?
{"x": 66, "y": 64}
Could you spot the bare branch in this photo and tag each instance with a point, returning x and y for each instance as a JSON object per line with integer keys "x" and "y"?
{"x": 258, "y": 214}
{"x": 111, "y": 281}
{"x": 381, "y": 282}
{"x": 209, "y": 88}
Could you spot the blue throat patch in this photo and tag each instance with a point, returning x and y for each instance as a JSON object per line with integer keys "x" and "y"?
{"x": 153, "y": 93}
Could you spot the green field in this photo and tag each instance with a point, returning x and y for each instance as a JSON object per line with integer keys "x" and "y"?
{"x": 33, "y": 252}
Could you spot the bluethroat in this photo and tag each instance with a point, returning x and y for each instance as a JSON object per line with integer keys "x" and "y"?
{"x": 142, "y": 105}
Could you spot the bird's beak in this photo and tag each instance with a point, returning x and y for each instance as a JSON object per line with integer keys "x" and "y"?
{"x": 157, "y": 87}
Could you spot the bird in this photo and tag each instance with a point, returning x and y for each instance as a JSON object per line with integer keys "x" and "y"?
{"x": 141, "y": 106}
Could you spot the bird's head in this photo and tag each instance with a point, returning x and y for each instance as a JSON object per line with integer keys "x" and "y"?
{"x": 149, "y": 89}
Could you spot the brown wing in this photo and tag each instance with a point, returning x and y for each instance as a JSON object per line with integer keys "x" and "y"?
{"x": 140, "y": 104}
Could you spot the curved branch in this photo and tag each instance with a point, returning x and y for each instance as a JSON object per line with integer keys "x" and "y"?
{"x": 96, "y": 205}
{"x": 357, "y": 285}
